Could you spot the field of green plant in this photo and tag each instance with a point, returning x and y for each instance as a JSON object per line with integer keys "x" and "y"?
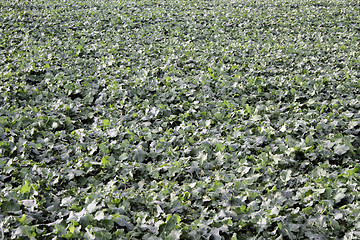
{"x": 180, "y": 119}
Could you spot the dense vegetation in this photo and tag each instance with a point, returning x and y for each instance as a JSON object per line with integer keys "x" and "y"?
{"x": 180, "y": 119}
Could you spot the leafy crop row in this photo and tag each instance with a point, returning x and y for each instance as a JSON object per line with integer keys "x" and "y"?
{"x": 179, "y": 119}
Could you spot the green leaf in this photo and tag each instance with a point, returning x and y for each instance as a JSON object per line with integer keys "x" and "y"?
{"x": 23, "y": 220}
{"x": 307, "y": 210}
{"x": 220, "y": 147}
{"x": 340, "y": 195}
{"x": 101, "y": 233}
{"x": 341, "y": 149}
{"x": 174, "y": 235}
{"x": 106, "y": 122}
{"x": 140, "y": 155}
{"x": 256, "y": 118}
{"x": 92, "y": 207}
{"x": 171, "y": 222}
{"x": 105, "y": 160}
{"x": 25, "y": 188}
{"x": 99, "y": 215}
{"x": 248, "y": 109}
{"x": 9, "y": 206}
{"x": 285, "y": 175}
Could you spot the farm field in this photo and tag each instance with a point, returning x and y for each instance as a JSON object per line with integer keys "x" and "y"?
{"x": 180, "y": 119}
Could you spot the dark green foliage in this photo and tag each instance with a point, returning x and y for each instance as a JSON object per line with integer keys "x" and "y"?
{"x": 179, "y": 119}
